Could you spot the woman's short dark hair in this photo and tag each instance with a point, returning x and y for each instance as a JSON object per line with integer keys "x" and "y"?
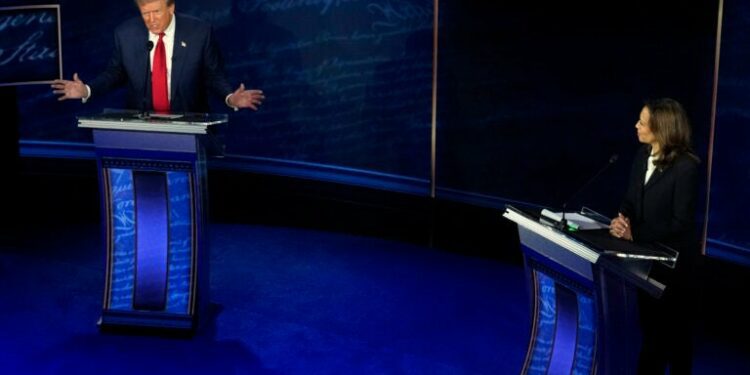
{"x": 671, "y": 127}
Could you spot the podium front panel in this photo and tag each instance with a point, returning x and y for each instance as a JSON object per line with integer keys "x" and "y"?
{"x": 151, "y": 243}
{"x": 582, "y": 301}
{"x": 154, "y": 215}
{"x": 563, "y": 333}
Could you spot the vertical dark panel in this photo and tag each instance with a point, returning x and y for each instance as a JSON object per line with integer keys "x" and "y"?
{"x": 533, "y": 100}
{"x": 727, "y": 232}
{"x": 9, "y": 129}
{"x": 566, "y": 331}
{"x": 152, "y": 240}
{"x": 9, "y": 148}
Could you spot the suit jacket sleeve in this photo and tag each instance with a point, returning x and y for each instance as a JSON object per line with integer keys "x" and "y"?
{"x": 114, "y": 75}
{"x": 215, "y": 78}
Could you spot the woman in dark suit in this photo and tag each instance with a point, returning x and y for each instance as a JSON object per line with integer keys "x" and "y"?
{"x": 659, "y": 206}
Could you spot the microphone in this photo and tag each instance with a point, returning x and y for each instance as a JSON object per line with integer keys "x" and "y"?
{"x": 144, "y": 99}
{"x": 563, "y": 224}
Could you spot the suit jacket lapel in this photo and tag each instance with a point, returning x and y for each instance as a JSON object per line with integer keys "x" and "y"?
{"x": 658, "y": 173}
{"x": 143, "y": 64}
{"x": 179, "y": 49}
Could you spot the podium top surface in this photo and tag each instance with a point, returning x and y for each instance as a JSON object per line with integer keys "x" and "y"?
{"x": 596, "y": 241}
{"x": 597, "y": 247}
{"x": 184, "y": 123}
{"x": 532, "y": 222}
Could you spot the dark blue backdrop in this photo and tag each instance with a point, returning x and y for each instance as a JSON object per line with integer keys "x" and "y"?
{"x": 531, "y": 101}
{"x": 29, "y": 45}
{"x": 727, "y": 232}
{"x": 348, "y": 83}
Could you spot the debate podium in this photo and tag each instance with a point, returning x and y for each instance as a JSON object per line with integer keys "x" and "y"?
{"x": 583, "y": 288}
{"x": 152, "y": 178}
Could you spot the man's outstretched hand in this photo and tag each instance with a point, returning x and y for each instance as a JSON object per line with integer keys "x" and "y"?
{"x": 74, "y": 89}
{"x": 242, "y": 98}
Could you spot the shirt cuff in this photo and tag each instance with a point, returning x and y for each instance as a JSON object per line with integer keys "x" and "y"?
{"x": 88, "y": 94}
{"x": 226, "y": 100}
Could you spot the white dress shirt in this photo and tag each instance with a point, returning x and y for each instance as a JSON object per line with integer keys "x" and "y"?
{"x": 651, "y": 167}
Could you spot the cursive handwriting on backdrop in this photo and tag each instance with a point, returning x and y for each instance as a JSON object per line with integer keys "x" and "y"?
{"x": 29, "y": 48}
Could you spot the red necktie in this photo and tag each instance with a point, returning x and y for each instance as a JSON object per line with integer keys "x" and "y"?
{"x": 159, "y": 94}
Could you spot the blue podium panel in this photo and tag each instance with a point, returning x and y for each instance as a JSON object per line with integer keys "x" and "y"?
{"x": 586, "y": 339}
{"x": 120, "y": 229}
{"x": 563, "y": 334}
{"x": 153, "y": 181}
{"x": 180, "y": 242}
{"x": 543, "y": 329}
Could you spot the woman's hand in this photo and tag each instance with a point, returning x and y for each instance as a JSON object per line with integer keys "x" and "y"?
{"x": 620, "y": 227}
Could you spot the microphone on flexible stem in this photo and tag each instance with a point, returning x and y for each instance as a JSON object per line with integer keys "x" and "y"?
{"x": 144, "y": 99}
{"x": 563, "y": 224}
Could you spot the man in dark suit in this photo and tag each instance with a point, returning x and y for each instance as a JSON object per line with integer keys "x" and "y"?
{"x": 169, "y": 65}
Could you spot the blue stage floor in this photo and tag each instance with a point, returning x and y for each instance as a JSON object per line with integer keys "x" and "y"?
{"x": 284, "y": 301}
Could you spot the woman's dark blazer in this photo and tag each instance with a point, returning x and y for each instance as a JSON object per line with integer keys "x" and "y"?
{"x": 663, "y": 210}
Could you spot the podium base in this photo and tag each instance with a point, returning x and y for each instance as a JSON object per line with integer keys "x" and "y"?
{"x": 128, "y": 319}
